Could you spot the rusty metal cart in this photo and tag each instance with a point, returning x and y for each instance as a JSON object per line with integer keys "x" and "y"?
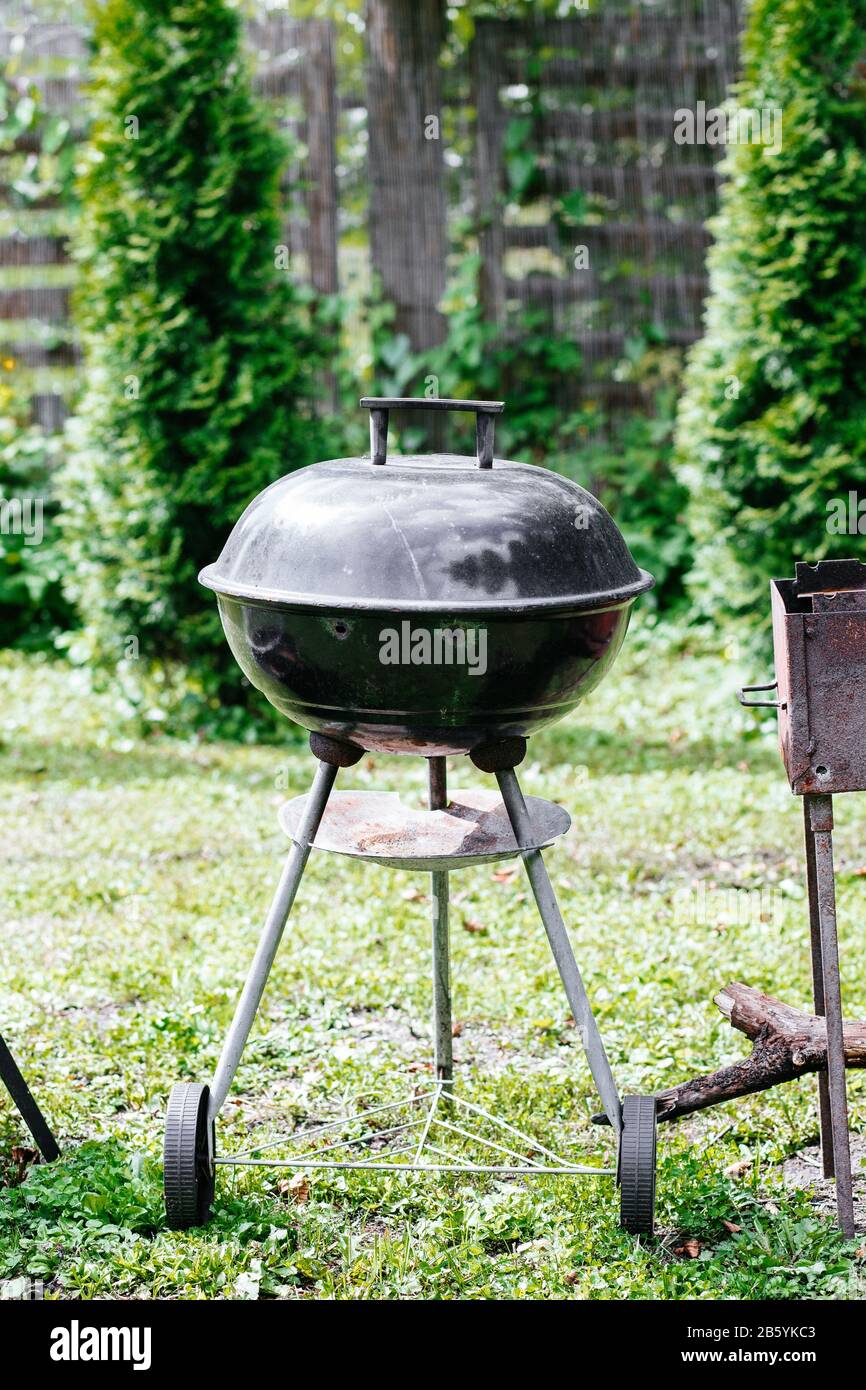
{"x": 819, "y": 642}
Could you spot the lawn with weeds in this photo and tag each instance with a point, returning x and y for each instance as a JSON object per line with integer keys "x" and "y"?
{"x": 136, "y": 873}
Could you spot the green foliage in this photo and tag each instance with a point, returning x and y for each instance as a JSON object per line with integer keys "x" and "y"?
{"x": 94, "y": 1188}
{"x": 772, "y": 425}
{"x": 634, "y": 479}
{"x": 521, "y": 162}
{"x": 32, "y": 564}
{"x": 475, "y": 360}
{"x": 32, "y": 609}
{"x": 95, "y": 1219}
{"x": 629, "y": 468}
{"x": 202, "y": 358}
{"x": 46, "y": 168}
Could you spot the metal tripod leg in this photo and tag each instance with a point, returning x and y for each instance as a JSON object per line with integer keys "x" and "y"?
{"x": 26, "y": 1105}
{"x": 818, "y": 986}
{"x": 269, "y": 940}
{"x": 442, "y": 1027}
{"x": 560, "y": 945}
{"x": 819, "y": 810}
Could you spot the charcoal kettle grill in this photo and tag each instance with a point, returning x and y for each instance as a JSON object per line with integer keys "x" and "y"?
{"x": 438, "y": 605}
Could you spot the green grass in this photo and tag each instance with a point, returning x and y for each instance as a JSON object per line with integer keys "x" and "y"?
{"x": 135, "y": 877}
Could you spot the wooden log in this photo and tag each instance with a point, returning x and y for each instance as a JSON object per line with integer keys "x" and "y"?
{"x": 613, "y": 29}
{"x": 66, "y": 354}
{"x": 632, "y": 184}
{"x": 33, "y": 250}
{"x": 49, "y": 303}
{"x": 652, "y": 229}
{"x": 550, "y": 289}
{"x": 786, "y": 1044}
{"x": 610, "y": 70}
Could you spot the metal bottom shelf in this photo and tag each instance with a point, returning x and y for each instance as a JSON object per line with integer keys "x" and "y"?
{"x": 472, "y": 829}
{"x": 434, "y": 1131}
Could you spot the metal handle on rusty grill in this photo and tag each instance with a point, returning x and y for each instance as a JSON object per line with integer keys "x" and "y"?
{"x": 759, "y": 704}
{"x": 380, "y": 407}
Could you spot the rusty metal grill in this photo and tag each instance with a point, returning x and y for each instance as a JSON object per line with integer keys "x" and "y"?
{"x": 819, "y": 642}
{"x": 819, "y": 638}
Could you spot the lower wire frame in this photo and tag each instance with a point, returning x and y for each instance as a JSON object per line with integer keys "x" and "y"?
{"x": 407, "y": 1145}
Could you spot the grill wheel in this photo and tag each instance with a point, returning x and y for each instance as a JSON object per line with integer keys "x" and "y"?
{"x": 637, "y": 1165}
{"x": 188, "y": 1173}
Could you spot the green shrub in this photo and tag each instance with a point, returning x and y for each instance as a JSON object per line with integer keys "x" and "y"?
{"x": 772, "y": 424}
{"x": 632, "y": 475}
{"x": 32, "y": 610}
{"x": 202, "y": 358}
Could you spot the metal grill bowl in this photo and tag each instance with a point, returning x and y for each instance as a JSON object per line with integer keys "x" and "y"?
{"x": 429, "y": 603}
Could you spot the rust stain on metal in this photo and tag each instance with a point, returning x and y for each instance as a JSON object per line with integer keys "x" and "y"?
{"x": 378, "y": 825}
{"x": 819, "y": 640}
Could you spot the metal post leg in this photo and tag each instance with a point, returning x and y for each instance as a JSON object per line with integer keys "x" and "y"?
{"x": 560, "y": 945}
{"x": 270, "y": 938}
{"x": 442, "y": 1026}
{"x": 26, "y": 1105}
{"x": 820, "y": 812}
{"x": 818, "y": 986}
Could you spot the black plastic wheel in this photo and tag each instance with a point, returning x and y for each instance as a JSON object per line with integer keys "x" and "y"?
{"x": 188, "y": 1172}
{"x": 637, "y": 1165}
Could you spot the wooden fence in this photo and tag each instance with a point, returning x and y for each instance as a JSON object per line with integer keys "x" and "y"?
{"x": 295, "y": 72}
{"x": 602, "y": 228}
{"x": 609, "y": 237}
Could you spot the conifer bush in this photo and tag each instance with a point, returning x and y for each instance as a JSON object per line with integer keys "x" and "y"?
{"x": 772, "y": 422}
{"x": 202, "y": 357}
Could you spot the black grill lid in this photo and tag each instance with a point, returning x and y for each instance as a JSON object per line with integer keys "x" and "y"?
{"x": 427, "y": 533}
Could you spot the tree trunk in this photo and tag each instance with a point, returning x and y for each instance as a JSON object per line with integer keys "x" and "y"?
{"x": 408, "y": 237}
{"x": 319, "y": 90}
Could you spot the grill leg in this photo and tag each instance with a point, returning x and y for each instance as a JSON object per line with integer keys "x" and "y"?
{"x": 441, "y": 979}
{"x": 269, "y": 940}
{"x": 27, "y": 1107}
{"x": 820, "y": 812}
{"x": 548, "y": 907}
{"x": 818, "y": 985}
{"x": 442, "y": 1026}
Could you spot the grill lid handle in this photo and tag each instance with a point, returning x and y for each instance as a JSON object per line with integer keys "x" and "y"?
{"x": 380, "y": 406}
